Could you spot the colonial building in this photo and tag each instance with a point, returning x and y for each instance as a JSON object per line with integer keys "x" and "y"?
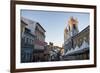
{"x": 40, "y": 43}
{"x": 76, "y": 44}
{"x": 27, "y": 43}
{"x": 32, "y": 41}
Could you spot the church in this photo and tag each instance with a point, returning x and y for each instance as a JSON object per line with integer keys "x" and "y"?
{"x": 76, "y": 43}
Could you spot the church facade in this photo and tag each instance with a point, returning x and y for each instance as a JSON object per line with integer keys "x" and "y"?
{"x": 76, "y": 44}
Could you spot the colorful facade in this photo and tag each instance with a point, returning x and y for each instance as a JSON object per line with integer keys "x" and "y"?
{"x": 32, "y": 41}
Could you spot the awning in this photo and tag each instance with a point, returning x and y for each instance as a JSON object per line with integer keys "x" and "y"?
{"x": 41, "y": 43}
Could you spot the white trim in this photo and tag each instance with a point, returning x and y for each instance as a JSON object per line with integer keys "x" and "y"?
{"x": 52, "y": 64}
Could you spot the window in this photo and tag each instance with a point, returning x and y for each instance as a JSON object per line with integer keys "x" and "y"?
{"x": 26, "y": 40}
{"x": 74, "y": 26}
{"x": 31, "y": 41}
{"x": 69, "y": 28}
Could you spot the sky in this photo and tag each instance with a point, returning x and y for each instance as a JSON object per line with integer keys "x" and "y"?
{"x": 55, "y": 22}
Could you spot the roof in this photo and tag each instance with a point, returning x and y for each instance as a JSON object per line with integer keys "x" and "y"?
{"x": 23, "y": 22}
{"x": 29, "y": 21}
{"x": 40, "y": 26}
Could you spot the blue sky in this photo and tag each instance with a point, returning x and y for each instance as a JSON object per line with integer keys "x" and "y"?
{"x": 55, "y": 22}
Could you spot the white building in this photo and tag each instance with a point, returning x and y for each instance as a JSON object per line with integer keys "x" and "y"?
{"x": 37, "y": 40}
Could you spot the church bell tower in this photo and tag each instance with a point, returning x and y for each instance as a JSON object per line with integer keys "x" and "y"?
{"x": 73, "y": 26}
